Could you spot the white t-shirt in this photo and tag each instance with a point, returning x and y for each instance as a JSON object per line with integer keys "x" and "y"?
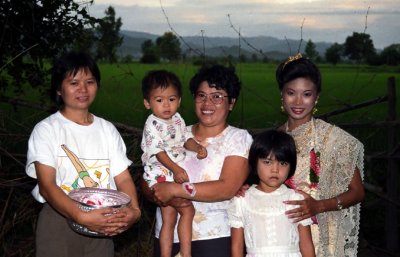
{"x": 268, "y": 232}
{"x": 211, "y": 218}
{"x": 96, "y": 153}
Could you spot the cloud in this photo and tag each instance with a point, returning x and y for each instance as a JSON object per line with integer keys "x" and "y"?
{"x": 277, "y": 18}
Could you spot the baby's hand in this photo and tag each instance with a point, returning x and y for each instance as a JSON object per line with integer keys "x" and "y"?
{"x": 180, "y": 176}
{"x": 201, "y": 152}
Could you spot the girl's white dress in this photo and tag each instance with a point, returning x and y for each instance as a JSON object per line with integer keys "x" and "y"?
{"x": 267, "y": 230}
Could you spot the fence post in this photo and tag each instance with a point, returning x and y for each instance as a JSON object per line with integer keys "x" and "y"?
{"x": 392, "y": 176}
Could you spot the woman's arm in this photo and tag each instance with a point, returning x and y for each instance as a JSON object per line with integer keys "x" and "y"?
{"x": 148, "y": 193}
{"x": 237, "y": 242}
{"x": 234, "y": 173}
{"x": 306, "y": 244}
{"x": 310, "y": 207}
{"x": 355, "y": 194}
{"x": 127, "y": 216}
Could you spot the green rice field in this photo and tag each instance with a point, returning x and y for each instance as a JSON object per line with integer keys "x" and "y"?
{"x": 120, "y": 99}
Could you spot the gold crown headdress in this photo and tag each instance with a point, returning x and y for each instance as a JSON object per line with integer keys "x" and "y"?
{"x": 292, "y": 58}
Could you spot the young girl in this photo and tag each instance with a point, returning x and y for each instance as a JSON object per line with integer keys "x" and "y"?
{"x": 258, "y": 219}
{"x": 163, "y": 146}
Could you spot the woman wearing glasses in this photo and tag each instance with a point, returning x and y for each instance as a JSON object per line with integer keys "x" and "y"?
{"x": 215, "y": 179}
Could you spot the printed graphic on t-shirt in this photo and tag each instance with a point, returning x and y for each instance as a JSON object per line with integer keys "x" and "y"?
{"x": 86, "y": 173}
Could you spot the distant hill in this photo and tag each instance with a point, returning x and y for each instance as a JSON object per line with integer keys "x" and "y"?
{"x": 271, "y": 47}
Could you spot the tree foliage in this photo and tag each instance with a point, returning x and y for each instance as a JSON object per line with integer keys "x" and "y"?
{"x": 35, "y": 31}
{"x": 87, "y": 42}
{"x": 359, "y": 46}
{"x": 109, "y": 38}
{"x": 391, "y": 55}
{"x": 311, "y": 51}
{"x": 169, "y": 46}
{"x": 150, "y": 52}
{"x": 333, "y": 53}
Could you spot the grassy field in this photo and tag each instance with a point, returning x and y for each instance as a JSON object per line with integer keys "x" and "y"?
{"x": 120, "y": 96}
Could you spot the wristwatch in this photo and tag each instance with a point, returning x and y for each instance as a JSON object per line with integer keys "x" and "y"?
{"x": 338, "y": 203}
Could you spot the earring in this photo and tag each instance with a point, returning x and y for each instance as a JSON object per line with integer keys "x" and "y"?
{"x": 282, "y": 108}
{"x": 314, "y": 110}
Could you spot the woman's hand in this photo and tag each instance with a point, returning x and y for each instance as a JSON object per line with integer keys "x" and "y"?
{"x": 96, "y": 220}
{"x": 242, "y": 191}
{"x": 164, "y": 192}
{"x": 122, "y": 220}
{"x": 149, "y": 194}
{"x": 307, "y": 208}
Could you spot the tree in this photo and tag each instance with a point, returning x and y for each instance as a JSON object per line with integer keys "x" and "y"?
{"x": 169, "y": 46}
{"x": 150, "y": 52}
{"x": 310, "y": 50}
{"x": 86, "y": 42}
{"x": 127, "y": 58}
{"x": 333, "y": 53}
{"x": 391, "y": 55}
{"x": 359, "y": 46}
{"x": 242, "y": 58}
{"x": 109, "y": 38}
{"x": 33, "y": 32}
{"x": 254, "y": 58}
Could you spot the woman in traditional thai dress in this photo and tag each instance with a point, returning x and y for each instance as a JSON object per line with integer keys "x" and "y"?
{"x": 330, "y": 163}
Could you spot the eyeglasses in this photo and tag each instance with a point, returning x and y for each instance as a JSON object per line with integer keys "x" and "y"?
{"x": 216, "y": 98}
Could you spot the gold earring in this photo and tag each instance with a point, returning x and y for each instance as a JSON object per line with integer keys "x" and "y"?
{"x": 282, "y": 108}
{"x": 314, "y": 110}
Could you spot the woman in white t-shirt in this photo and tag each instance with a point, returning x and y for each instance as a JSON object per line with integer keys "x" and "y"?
{"x": 215, "y": 179}
{"x": 73, "y": 148}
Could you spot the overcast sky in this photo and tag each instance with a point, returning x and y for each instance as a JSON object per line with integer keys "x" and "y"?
{"x": 323, "y": 20}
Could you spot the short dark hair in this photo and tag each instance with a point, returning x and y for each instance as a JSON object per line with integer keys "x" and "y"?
{"x": 160, "y": 79}
{"x": 299, "y": 68}
{"x": 70, "y": 64}
{"x": 219, "y": 77}
{"x": 275, "y": 142}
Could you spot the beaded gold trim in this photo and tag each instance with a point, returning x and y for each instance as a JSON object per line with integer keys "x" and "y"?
{"x": 292, "y": 58}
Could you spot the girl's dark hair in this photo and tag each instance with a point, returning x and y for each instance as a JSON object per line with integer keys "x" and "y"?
{"x": 275, "y": 142}
{"x": 298, "y": 68}
{"x": 219, "y": 77}
{"x": 160, "y": 79}
{"x": 69, "y": 64}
